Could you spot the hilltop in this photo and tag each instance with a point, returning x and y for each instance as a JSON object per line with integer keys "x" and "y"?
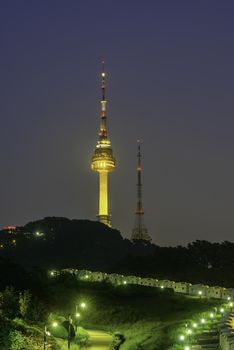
{"x": 56, "y": 242}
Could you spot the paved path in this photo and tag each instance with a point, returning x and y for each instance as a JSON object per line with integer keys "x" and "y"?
{"x": 99, "y": 340}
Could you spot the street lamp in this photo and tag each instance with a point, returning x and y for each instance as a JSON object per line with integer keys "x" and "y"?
{"x": 45, "y": 336}
{"x": 69, "y": 332}
{"x": 83, "y": 305}
{"x": 77, "y": 314}
{"x": 47, "y": 333}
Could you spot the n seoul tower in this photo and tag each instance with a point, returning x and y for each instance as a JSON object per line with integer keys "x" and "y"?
{"x": 103, "y": 161}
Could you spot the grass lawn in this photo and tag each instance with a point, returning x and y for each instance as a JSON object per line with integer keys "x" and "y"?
{"x": 149, "y": 318}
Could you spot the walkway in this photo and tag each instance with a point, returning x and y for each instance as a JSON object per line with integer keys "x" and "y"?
{"x": 99, "y": 340}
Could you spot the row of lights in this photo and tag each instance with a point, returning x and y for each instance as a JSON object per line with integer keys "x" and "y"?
{"x": 200, "y": 292}
{"x": 195, "y": 325}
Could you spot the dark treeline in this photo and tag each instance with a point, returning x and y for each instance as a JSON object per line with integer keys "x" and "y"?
{"x": 60, "y": 243}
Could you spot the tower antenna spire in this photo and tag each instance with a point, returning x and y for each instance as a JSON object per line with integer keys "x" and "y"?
{"x": 103, "y": 126}
{"x": 103, "y": 81}
{"x": 139, "y": 232}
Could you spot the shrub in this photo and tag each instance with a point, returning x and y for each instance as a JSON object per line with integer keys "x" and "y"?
{"x": 16, "y": 340}
{"x": 118, "y": 339}
{"x": 37, "y": 311}
{"x": 9, "y": 304}
{"x": 82, "y": 337}
{"x": 24, "y": 302}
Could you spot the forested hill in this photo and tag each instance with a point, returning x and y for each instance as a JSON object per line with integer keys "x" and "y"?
{"x": 59, "y": 243}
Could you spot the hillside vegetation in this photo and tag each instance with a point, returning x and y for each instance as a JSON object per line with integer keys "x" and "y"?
{"x": 149, "y": 318}
{"x": 91, "y": 245}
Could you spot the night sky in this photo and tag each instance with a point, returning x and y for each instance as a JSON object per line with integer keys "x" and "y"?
{"x": 170, "y": 67}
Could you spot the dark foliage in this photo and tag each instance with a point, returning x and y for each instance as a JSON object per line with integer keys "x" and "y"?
{"x": 91, "y": 245}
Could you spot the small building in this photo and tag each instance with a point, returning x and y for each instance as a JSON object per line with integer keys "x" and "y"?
{"x": 181, "y": 287}
{"x": 199, "y": 290}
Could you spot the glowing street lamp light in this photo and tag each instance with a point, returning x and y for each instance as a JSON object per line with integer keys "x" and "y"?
{"x": 195, "y": 325}
{"x": 211, "y": 315}
{"x": 222, "y": 310}
{"x": 83, "y": 305}
{"x": 186, "y": 348}
{"x": 182, "y": 337}
{"x": 200, "y": 293}
{"x": 189, "y": 331}
{"x": 203, "y": 321}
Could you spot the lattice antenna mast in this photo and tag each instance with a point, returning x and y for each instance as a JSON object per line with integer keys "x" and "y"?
{"x": 139, "y": 232}
{"x": 139, "y": 210}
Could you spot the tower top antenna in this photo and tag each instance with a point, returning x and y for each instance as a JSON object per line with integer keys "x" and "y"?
{"x": 103, "y": 116}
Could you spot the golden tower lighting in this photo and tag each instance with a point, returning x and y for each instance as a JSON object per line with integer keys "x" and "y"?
{"x": 103, "y": 161}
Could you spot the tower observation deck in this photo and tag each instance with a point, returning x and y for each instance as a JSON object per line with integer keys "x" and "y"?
{"x": 139, "y": 232}
{"x": 102, "y": 160}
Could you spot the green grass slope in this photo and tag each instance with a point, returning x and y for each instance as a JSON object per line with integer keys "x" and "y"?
{"x": 148, "y": 317}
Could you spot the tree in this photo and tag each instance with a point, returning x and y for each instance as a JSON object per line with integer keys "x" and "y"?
{"x": 24, "y": 303}
{"x": 37, "y": 311}
{"x": 9, "y": 304}
{"x": 16, "y": 341}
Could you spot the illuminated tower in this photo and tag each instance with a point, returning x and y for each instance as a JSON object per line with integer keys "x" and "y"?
{"x": 139, "y": 232}
{"x": 103, "y": 161}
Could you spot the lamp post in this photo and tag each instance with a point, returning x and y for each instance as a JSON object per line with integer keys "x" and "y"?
{"x": 77, "y": 314}
{"x": 69, "y": 332}
{"x": 54, "y": 324}
{"x": 45, "y": 337}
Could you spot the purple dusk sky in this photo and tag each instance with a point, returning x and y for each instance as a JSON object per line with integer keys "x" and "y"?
{"x": 170, "y": 67}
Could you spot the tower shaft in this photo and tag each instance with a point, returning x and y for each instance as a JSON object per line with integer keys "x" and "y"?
{"x": 103, "y": 161}
{"x": 139, "y": 232}
{"x": 103, "y": 193}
